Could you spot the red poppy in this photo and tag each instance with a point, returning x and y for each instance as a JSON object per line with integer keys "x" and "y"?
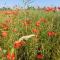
{"x": 51, "y": 33}
{"x": 48, "y": 9}
{"x": 17, "y": 44}
{"x": 40, "y": 56}
{"x": 4, "y": 33}
{"x": 35, "y": 31}
{"x": 8, "y": 56}
{"x": 43, "y": 20}
{"x": 4, "y": 26}
{"x": 8, "y": 20}
{"x": 8, "y": 12}
{"x": 13, "y": 56}
{"x": 38, "y": 23}
{"x": 15, "y": 30}
{"x": 27, "y": 22}
{"x": 14, "y": 12}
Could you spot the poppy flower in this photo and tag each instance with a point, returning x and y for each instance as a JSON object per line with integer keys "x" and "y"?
{"x": 8, "y": 20}
{"x": 51, "y": 33}
{"x": 35, "y": 31}
{"x": 13, "y": 56}
{"x": 15, "y": 30}
{"x": 4, "y": 33}
{"x": 49, "y": 9}
{"x": 43, "y": 20}
{"x": 14, "y": 12}
{"x": 17, "y": 44}
{"x": 27, "y": 22}
{"x": 8, "y": 56}
{"x": 4, "y": 26}
{"x": 38, "y": 23}
{"x": 8, "y": 12}
{"x": 40, "y": 56}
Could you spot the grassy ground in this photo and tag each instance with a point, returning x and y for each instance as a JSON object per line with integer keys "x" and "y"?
{"x": 44, "y": 46}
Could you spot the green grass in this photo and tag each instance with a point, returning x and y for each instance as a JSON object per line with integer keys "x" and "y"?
{"x": 50, "y": 45}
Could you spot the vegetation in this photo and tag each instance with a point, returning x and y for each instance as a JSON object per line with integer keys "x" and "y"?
{"x": 44, "y": 24}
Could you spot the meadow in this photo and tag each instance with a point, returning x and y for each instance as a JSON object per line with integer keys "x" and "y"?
{"x": 45, "y": 25}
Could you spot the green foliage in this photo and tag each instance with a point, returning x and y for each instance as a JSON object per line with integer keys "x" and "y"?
{"x": 50, "y": 45}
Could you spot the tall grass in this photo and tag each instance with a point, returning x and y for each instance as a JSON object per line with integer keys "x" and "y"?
{"x": 50, "y": 45}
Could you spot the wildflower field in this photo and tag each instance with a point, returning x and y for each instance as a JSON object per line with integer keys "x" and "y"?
{"x": 42, "y": 25}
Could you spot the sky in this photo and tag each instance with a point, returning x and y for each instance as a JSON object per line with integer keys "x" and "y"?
{"x": 35, "y": 3}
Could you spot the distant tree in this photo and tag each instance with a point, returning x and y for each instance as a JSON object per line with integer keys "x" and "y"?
{"x": 30, "y": 8}
{"x": 38, "y": 8}
{"x": 27, "y": 2}
{"x": 4, "y": 8}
